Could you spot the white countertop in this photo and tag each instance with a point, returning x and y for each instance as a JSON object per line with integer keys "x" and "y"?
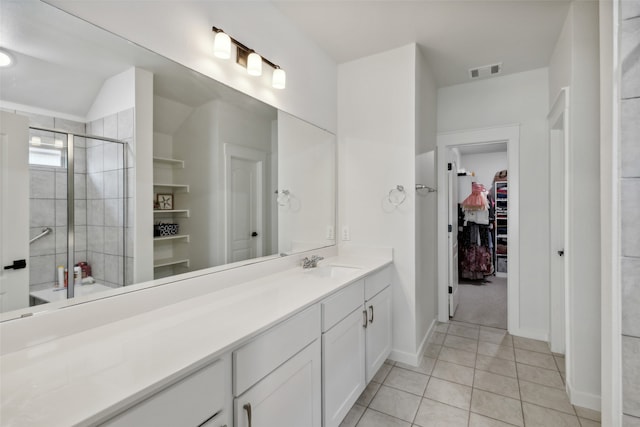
{"x": 59, "y": 294}
{"x": 83, "y": 378}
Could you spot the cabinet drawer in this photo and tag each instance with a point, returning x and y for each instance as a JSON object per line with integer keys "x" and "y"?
{"x": 258, "y": 358}
{"x": 376, "y": 282}
{"x": 340, "y": 305}
{"x": 189, "y": 402}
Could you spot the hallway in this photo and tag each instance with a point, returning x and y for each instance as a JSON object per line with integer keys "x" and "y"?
{"x": 473, "y": 376}
{"x": 485, "y": 304}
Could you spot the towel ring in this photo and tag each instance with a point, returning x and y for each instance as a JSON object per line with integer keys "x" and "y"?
{"x": 283, "y": 197}
{"x": 397, "y": 195}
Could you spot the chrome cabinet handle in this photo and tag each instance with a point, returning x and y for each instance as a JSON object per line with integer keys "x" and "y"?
{"x": 364, "y": 317}
{"x": 371, "y": 314}
{"x": 247, "y": 407}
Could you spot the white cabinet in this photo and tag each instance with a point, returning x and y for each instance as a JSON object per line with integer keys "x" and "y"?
{"x": 201, "y": 399}
{"x": 356, "y": 341}
{"x": 378, "y": 331}
{"x": 343, "y": 358}
{"x": 287, "y": 397}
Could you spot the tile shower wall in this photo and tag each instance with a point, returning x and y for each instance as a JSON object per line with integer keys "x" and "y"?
{"x": 108, "y": 242}
{"x": 48, "y": 198}
{"x": 630, "y": 209}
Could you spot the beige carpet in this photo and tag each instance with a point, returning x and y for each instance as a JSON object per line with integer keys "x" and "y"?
{"x": 484, "y": 304}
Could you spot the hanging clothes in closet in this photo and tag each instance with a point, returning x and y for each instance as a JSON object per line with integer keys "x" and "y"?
{"x": 475, "y": 239}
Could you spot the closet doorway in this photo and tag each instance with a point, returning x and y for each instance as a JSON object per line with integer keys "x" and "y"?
{"x": 484, "y": 276}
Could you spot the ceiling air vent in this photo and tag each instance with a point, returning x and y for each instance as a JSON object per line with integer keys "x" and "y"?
{"x": 485, "y": 71}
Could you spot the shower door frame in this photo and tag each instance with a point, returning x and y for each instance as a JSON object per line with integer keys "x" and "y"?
{"x": 71, "y": 196}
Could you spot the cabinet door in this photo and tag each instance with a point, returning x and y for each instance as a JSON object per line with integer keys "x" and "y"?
{"x": 290, "y": 396}
{"x": 343, "y": 372}
{"x": 378, "y": 332}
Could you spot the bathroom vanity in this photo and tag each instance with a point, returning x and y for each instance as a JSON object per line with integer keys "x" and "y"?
{"x": 294, "y": 348}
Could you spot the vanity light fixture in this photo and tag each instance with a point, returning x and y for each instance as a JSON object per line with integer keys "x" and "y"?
{"x": 6, "y": 60}
{"x": 247, "y": 57}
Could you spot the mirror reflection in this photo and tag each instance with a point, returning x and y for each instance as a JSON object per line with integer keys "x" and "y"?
{"x": 136, "y": 168}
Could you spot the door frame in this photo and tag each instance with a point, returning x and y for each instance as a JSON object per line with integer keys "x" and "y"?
{"x": 560, "y": 110}
{"x": 446, "y": 141}
{"x": 260, "y": 157}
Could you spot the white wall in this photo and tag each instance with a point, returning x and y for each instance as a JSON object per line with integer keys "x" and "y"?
{"x": 116, "y": 94}
{"x": 181, "y": 31}
{"x": 307, "y": 169}
{"x": 574, "y": 63}
{"x": 376, "y": 152}
{"x": 426, "y": 300}
{"x": 485, "y": 166}
{"x": 515, "y": 99}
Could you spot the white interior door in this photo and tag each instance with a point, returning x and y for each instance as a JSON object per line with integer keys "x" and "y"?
{"x": 557, "y": 214}
{"x": 245, "y": 195}
{"x": 14, "y": 211}
{"x": 453, "y": 239}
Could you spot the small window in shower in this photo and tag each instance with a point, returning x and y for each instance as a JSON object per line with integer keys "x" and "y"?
{"x": 47, "y": 151}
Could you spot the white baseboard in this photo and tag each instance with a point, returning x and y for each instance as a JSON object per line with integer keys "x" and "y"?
{"x": 534, "y": 334}
{"x": 411, "y": 358}
{"x": 584, "y": 399}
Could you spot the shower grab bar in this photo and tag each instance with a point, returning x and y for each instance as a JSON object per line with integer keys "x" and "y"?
{"x": 45, "y": 231}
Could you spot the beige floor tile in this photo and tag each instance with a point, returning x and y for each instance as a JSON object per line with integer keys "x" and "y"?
{"x": 437, "y": 338}
{"x": 535, "y": 359}
{"x": 396, "y": 403}
{"x": 454, "y": 373}
{"x": 548, "y": 397}
{"x": 495, "y": 350}
{"x": 498, "y": 384}
{"x": 464, "y": 331}
{"x": 498, "y": 407}
{"x": 425, "y": 367}
{"x": 500, "y": 338}
{"x": 461, "y": 343}
{"x": 628, "y": 421}
{"x": 496, "y": 366}
{"x": 457, "y": 395}
{"x": 405, "y": 380}
{"x": 376, "y": 419}
{"x": 390, "y": 362}
{"x": 436, "y": 414}
{"x": 477, "y": 420}
{"x": 537, "y": 416}
{"x": 540, "y": 375}
{"x": 561, "y": 364}
{"x": 353, "y": 416}
{"x": 459, "y": 357}
{"x": 432, "y": 350}
{"x": 367, "y": 395}
{"x": 531, "y": 345}
{"x": 468, "y": 325}
{"x": 589, "y": 423}
{"x": 587, "y": 413}
{"x": 382, "y": 373}
{"x": 442, "y": 327}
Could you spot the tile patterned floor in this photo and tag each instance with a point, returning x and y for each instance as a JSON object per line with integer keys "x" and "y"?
{"x": 472, "y": 376}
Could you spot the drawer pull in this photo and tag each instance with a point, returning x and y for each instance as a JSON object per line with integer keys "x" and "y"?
{"x": 371, "y": 314}
{"x": 364, "y": 316}
{"x": 247, "y": 407}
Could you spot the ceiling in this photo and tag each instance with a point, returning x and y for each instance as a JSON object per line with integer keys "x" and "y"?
{"x": 454, "y": 35}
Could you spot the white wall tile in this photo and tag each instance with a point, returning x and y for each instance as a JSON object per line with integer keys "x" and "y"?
{"x": 630, "y": 217}
{"x": 61, "y": 184}
{"x": 42, "y": 269}
{"x": 95, "y": 158}
{"x": 41, "y": 184}
{"x": 61, "y": 240}
{"x": 113, "y": 212}
{"x": 96, "y": 261}
{"x": 113, "y": 269}
{"x": 113, "y": 240}
{"x": 80, "y": 214}
{"x": 95, "y": 212}
{"x": 69, "y": 125}
{"x": 631, "y": 375}
{"x": 630, "y": 9}
{"x": 43, "y": 246}
{"x": 630, "y": 58}
{"x": 80, "y": 186}
{"x": 80, "y": 238}
{"x": 112, "y": 184}
{"x": 111, "y": 126}
{"x": 96, "y": 128}
{"x": 42, "y": 213}
{"x": 125, "y": 124}
{"x": 80, "y": 159}
{"x": 630, "y": 138}
{"x": 95, "y": 185}
{"x": 95, "y": 239}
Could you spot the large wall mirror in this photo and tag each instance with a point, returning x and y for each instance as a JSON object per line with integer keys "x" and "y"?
{"x": 107, "y": 182}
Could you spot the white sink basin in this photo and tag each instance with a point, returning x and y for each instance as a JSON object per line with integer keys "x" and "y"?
{"x": 333, "y": 271}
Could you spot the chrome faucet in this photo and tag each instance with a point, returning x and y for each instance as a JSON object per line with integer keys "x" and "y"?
{"x": 311, "y": 262}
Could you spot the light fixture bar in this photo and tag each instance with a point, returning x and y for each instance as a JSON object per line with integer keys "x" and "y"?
{"x": 245, "y": 51}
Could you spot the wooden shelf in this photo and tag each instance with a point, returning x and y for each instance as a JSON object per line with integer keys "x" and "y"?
{"x": 175, "y": 237}
{"x": 184, "y": 187}
{"x": 171, "y": 162}
{"x": 172, "y": 211}
{"x": 169, "y": 262}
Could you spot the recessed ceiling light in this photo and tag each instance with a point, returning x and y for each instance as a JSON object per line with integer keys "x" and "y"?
{"x": 5, "y": 59}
